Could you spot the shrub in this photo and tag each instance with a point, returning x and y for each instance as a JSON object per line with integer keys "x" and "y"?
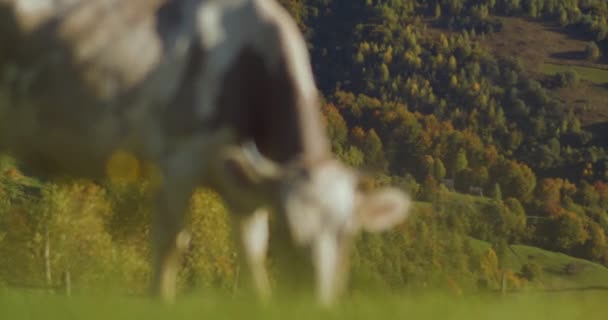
{"x": 531, "y": 271}
{"x": 592, "y": 51}
{"x": 567, "y": 78}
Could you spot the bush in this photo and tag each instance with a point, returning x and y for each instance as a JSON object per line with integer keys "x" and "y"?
{"x": 592, "y": 51}
{"x": 568, "y": 78}
{"x": 531, "y": 271}
{"x": 211, "y": 257}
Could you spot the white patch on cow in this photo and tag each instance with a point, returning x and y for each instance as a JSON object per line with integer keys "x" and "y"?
{"x": 303, "y": 218}
{"x": 293, "y": 42}
{"x": 212, "y": 31}
{"x": 226, "y": 27}
{"x": 34, "y": 6}
{"x": 336, "y": 191}
{"x": 301, "y": 65}
{"x": 32, "y": 13}
{"x": 42, "y": 7}
{"x": 255, "y": 235}
{"x": 323, "y": 203}
{"x": 326, "y": 262}
{"x": 216, "y": 20}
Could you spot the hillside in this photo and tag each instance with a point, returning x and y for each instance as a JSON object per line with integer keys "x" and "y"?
{"x": 560, "y": 272}
{"x": 547, "y": 49}
{"x": 501, "y": 98}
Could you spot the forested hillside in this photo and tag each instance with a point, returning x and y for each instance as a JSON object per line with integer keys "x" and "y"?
{"x": 497, "y": 137}
{"x": 416, "y": 92}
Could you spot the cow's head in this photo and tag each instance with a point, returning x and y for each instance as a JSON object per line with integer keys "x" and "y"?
{"x": 324, "y": 208}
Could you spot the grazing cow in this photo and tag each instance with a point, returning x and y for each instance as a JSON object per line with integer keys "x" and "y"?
{"x": 217, "y": 93}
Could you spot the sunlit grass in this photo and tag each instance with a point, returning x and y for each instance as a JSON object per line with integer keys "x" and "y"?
{"x": 595, "y": 75}
{"x": 554, "y": 264}
{"x": 590, "y": 305}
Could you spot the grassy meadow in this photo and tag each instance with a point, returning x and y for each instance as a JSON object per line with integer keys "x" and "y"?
{"x": 560, "y": 272}
{"x": 556, "y": 294}
{"x": 595, "y": 75}
{"x": 554, "y": 306}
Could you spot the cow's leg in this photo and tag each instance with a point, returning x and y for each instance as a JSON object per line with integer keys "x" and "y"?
{"x": 169, "y": 238}
{"x": 254, "y": 240}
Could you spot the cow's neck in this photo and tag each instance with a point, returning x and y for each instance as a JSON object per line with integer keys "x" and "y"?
{"x": 284, "y": 121}
{"x": 292, "y": 127}
{"x": 266, "y": 91}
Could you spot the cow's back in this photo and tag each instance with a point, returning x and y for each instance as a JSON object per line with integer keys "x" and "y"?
{"x": 88, "y": 77}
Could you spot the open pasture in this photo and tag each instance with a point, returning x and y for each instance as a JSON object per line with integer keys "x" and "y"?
{"x": 554, "y": 306}
{"x": 595, "y": 75}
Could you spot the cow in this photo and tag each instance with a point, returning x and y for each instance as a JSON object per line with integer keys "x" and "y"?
{"x": 216, "y": 93}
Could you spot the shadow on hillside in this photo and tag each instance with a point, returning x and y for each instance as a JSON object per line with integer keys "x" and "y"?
{"x": 600, "y": 133}
{"x": 572, "y": 32}
{"x": 569, "y": 55}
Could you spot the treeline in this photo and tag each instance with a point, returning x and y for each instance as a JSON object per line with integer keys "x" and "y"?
{"x": 427, "y": 157}
{"x": 100, "y": 235}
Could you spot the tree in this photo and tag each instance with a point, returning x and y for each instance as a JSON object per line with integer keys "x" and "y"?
{"x": 385, "y": 74}
{"x": 567, "y": 78}
{"x": 602, "y": 191}
{"x": 430, "y": 189}
{"x": 596, "y": 246}
{"x": 533, "y": 10}
{"x": 438, "y": 169}
{"x": 496, "y": 193}
{"x": 77, "y": 214}
{"x": 336, "y": 127}
{"x": 453, "y": 81}
{"x": 210, "y": 260}
{"x": 592, "y": 51}
{"x": 371, "y": 145}
{"x": 452, "y": 64}
{"x": 531, "y": 271}
{"x": 512, "y": 6}
{"x": 569, "y": 231}
{"x": 517, "y": 180}
{"x": 515, "y": 220}
{"x": 488, "y": 265}
{"x": 460, "y": 162}
{"x": 587, "y": 195}
{"x": 563, "y": 17}
{"x": 353, "y": 157}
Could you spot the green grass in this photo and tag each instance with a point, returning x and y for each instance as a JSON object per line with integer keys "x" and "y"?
{"x": 413, "y": 304}
{"x": 554, "y": 264}
{"x": 19, "y": 305}
{"x": 586, "y": 273}
{"x": 595, "y": 75}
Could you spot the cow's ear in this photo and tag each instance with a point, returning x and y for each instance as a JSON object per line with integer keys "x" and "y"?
{"x": 382, "y": 209}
